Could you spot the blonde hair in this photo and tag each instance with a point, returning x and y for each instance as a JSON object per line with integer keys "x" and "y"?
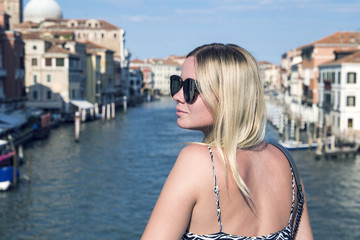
{"x": 230, "y": 85}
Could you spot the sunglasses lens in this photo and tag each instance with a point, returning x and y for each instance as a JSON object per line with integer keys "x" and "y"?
{"x": 175, "y": 84}
{"x": 189, "y": 90}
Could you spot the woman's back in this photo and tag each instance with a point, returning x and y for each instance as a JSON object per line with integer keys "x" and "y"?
{"x": 220, "y": 93}
{"x": 267, "y": 174}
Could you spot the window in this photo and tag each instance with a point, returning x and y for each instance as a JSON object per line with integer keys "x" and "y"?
{"x": 48, "y": 95}
{"x": 351, "y": 77}
{"x": 48, "y": 77}
{"x": 35, "y": 95}
{"x": 339, "y": 76}
{"x": 115, "y": 35}
{"x": 33, "y": 62}
{"x": 350, "y": 123}
{"x": 22, "y": 63}
{"x": 73, "y": 93}
{"x": 34, "y": 47}
{"x": 350, "y": 101}
{"x": 102, "y": 35}
{"x": 59, "y": 62}
{"x": 48, "y": 62}
{"x": 35, "y": 79}
{"x": 332, "y": 77}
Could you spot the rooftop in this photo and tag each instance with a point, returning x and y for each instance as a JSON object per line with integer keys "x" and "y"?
{"x": 350, "y": 38}
{"x": 351, "y": 58}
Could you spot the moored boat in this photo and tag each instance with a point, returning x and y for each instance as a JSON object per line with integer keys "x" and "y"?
{"x": 9, "y": 172}
{"x": 293, "y": 144}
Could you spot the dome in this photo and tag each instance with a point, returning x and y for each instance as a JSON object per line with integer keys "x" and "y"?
{"x": 39, "y": 10}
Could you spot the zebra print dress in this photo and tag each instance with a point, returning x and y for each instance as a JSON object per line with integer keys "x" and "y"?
{"x": 283, "y": 234}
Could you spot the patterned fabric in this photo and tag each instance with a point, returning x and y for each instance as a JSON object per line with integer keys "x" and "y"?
{"x": 284, "y": 234}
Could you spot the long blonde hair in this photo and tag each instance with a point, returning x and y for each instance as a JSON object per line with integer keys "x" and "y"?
{"x": 230, "y": 84}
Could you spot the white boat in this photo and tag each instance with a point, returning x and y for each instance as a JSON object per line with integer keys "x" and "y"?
{"x": 4, "y": 185}
{"x": 293, "y": 144}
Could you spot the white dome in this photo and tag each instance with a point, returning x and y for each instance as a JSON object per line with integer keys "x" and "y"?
{"x": 39, "y": 10}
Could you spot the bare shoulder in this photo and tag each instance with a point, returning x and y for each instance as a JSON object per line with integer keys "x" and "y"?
{"x": 272, "y": 161}
{"x": 194, "y": 155}
{"x": 194, "y": 159}
{"x": 271, "y": 164}
{"x": 192, "y": 170}
{"x": 195, "y": 149}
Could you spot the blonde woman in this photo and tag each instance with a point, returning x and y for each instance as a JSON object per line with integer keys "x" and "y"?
{"x": 233, "y": 185}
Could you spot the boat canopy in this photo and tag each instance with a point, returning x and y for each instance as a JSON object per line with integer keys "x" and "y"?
{"x": 9, "y": 121}
{"x": 82, "y": 104}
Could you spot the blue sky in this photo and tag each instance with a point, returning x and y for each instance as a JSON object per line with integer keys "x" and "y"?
{"x": 267, "y": 28}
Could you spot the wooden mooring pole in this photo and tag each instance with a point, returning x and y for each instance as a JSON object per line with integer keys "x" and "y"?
{"x": 77, "y": 121}
{"x": 28, "y": 163}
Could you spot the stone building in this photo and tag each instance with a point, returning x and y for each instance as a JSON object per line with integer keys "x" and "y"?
{"x": 270, "y": 75}
{"x": 102, "y": 68}
{"x": 13, "y": 8}
{"x": 54, "y": 72}
{"x": 339, "y": 94}
{"x": 46, "y": 15}
{"x": 157, "y": 72}
{"x": 105, "y": 85}
{"x": 12, "y": 89}
{"x": 300, "y": 71}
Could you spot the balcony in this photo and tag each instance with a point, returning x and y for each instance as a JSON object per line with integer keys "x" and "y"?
{"x": 327, "y": 84}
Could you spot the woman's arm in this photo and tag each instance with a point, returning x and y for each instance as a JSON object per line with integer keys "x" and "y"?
{"x": 171, "y": 214}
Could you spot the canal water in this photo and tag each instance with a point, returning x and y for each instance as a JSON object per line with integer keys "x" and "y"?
{"x": 105, "y": 186}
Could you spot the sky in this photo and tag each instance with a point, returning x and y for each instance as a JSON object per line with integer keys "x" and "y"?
{"x": 266, "y": 28}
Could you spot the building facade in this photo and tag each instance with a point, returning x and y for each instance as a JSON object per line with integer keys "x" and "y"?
{"x": 101, "y": 69}
{"x": 105, "y": 85}
{"x": 322, "y": 51}
{"x": 339, "y": 94}
{"x": 14, "y": 9}
{"x": 270, "y": 75}
{"x": 54, "y": 73}
{"x": 12, "y": 89}
{"x": 300, "y": 72}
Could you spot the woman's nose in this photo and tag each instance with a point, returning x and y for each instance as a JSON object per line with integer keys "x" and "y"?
{"x": 179, "y": 96}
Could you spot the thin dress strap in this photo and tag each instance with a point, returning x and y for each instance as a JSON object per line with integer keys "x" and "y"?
{"x": 293, "y": 197}
{"x": 216, "y": 190}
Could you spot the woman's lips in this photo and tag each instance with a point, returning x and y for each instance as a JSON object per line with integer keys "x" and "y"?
{"x": 180, "y": 112}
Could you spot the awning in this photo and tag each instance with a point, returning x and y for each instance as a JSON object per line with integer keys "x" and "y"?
{"x": 3, "y": 142}
{"x": 82, "y": 104}
{"x": 9, "y": 122}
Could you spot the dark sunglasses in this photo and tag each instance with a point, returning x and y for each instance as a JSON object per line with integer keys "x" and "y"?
{"x": 189, "y": 87}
